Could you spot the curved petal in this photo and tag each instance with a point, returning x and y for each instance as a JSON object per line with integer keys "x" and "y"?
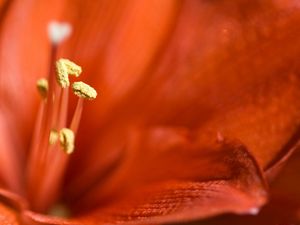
{"x": 241, "y": 190}
{"x": 126, "y": 36}
{"x": 275, "y": 166}
{"x": 217, "y": 72}
{"x": 272, "y": 214}
{"x": 284, "y": 192}
{"x": 204, "y": 73}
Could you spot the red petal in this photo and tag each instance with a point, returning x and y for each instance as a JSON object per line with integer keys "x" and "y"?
{"x": 205, "y": 72}
{"x": 217, "y": 72}
{"x": 284, "y": 205}
{"x": 275, "y": 166}
{"x": 241, "y": 191}
{"x": 10, "y": 164}
{"x": 24, "y": 54}
{"x": 126, "y": 37}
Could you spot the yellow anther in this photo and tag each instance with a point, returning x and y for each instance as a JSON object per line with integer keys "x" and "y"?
{"x": 64, "y": 68}
{"x": 84, "y": 90}
{"x": 67, "y": 138}
{"x": 42, "y": 86}
{"x": 72, "y": 68}
{"x": 62, "y": 76}
{"x": 53, "y": 137}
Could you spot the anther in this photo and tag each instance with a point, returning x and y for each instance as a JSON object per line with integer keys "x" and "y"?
{"x": 62, "y": 74}
{"x": 42, "y": 86}
{"x": 64, "y": 68}
{"x": 67, "y": 138}
{"x": 84, "y": 90}
{"x": 53, "y": 137}
{"x": 72, "y": 68}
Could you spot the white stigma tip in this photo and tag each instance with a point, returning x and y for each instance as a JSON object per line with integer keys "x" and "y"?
{"x": 58, "y": 32}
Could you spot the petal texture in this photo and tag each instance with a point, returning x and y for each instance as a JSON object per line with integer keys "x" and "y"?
{"x": 284, "y": 204}
{"x": 242, "y": 191}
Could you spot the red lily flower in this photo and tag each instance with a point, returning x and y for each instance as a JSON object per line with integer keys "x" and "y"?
{"x": 198, "y": 110}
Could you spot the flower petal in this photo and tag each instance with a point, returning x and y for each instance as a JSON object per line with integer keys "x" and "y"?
{"x": 126, "y": 37}
{"x": 25, "y": 53}
{"x": 183, "y": 199}
{"x": 10, "y": 164}
{"x": 284, "y": 192}
{"x": 275, "y": 166}
{"x": 217, "y": 73}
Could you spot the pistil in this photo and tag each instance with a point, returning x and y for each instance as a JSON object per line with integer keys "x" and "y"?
{"x": 53, "y": 139}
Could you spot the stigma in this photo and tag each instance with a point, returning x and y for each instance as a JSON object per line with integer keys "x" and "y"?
{"x": 58, "y": 32}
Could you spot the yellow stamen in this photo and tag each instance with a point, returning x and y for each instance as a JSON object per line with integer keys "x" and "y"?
{"x": 67, "y": 138}
{"x": 64, "y": 68}
{"x": 62, "y": 76}
{"x": 42, "y": 86}
{"x": 72, "y": 68}
{"x": 53, "y": 137}
{"x": 84, "y": 90}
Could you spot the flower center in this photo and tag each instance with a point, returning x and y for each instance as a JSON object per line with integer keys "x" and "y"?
{"x": 53, "y": 138}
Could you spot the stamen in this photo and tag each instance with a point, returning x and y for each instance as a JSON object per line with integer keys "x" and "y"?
{"x": 42, "y": 86}
{"x": 64, "y": 68}
{"x": 53, "y": 137}
{"x": 47, "y": 163}
{"x": 72, "y": 68}
{"x": 77, "y": 115}
{"x": 67, "y": 138}
{"x": 62, "y": 76}
{"x": 84, "y": 90}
